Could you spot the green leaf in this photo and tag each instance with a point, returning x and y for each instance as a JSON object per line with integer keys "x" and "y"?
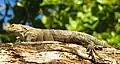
{"x": 107, "y": 1}
{"x": 20, "y": 4}
{"x": 50, "y": 2}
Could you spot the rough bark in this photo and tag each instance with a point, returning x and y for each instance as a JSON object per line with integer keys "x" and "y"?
{"x": 53, "y": 52}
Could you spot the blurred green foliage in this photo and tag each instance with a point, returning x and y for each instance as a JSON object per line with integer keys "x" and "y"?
{"x": 100, "y": 18}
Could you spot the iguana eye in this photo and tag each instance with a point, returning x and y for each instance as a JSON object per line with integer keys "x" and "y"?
{"x": 12, "y": 25}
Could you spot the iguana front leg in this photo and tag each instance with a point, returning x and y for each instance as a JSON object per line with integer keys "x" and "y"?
{"x": 20, "y": 38}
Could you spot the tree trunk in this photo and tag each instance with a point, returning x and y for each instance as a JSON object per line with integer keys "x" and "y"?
{"x": 53, "y": 52}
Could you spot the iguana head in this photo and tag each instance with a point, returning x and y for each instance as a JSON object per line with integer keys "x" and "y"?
{"x": 17, "y": 27}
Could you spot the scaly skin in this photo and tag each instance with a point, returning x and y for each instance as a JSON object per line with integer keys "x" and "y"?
{"x": 30, "y": 34}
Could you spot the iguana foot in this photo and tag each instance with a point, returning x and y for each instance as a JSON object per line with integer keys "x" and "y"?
{"x": 18, "y": 40}
{"x": 92, "y": 53}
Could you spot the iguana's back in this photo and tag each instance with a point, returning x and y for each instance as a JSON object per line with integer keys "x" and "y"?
{"x": 33, "y": 34}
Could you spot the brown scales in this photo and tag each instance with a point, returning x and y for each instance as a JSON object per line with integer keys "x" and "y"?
{"x": 30, "y": 34}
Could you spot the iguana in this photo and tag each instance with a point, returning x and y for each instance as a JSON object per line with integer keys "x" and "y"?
{"x": 30, "y": 34}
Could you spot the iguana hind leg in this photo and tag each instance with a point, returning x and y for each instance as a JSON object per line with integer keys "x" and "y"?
{"x": 91, "y": 52}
